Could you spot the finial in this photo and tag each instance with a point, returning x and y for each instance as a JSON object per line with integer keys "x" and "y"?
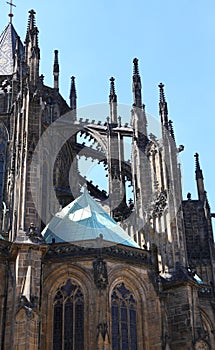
{"x": 56, "y": 65}
{"x": 162, "y": 95}
{"x": 136, "y": 68}
{"x": 136, "y": 86}
{"x": 11, "y": 9}
{"x": 113, "y": 102}
{"x": 196, "y": 155}
{"x": 73, "y": 94}
{"x": 31, "y": 20}
{"x": 112, "y": 96}
{"x": 163, "y": 107}
{"x": 112, "y": 87}
{"x": 31, "y": 26}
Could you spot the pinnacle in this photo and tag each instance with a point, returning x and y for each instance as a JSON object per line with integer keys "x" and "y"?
{"x": 112, "y": 96}
{"x": 162, "y": 95}
{"x": 136, "y": 68}
{"x": 199, "y": 174}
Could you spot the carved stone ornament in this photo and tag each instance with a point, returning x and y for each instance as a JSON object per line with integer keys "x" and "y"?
{"x": 201, "y": 345}
{"x": 100, "y": 273}
{"x": 158, "y": 204}
{"x": 102, "y": 331}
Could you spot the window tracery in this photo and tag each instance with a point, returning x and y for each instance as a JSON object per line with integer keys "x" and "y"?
{"x": 124, "y": 319}
{"x": 68, "y": 318}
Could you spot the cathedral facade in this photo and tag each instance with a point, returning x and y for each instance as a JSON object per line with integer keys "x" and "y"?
{"x": 103, "y": 272}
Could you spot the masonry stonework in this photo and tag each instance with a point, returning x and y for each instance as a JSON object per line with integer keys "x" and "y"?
{"x": 140, "y": 273}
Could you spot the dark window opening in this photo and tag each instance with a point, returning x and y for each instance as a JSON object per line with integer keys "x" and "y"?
{"x": 68, "y": 322}
{"x": 124, "y": 319}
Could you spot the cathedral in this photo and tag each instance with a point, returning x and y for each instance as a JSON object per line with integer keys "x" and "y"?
{"x": 130, "y": 268}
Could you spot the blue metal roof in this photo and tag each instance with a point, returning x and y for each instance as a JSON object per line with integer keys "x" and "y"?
{"x": 7, "y": 49}
{"x": 84, "y": 221}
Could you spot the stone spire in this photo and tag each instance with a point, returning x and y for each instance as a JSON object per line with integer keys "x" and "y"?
{"x": 113, "y": 102}
{"x": 32, "y": 51}
{"x": 56, "y": 70}
{"x": 9, "y": 40}
{"x": 163, "y": 107}
{"x": 199, "y": 179}
{"x": 137, "y": 85}
{"x": 138, "y": 117}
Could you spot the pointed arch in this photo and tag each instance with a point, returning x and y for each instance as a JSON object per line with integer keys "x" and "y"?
{"x": 124, "y": 318}
{"x": 208, "y": 327}
{"x": 65, "y": 288}
{"x": 128, "y": 305}
{"x": 68, "y": 317}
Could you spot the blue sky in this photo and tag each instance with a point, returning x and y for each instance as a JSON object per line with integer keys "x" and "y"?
{"x": 174, "y": 41}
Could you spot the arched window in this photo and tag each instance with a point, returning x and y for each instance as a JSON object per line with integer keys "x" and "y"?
{"x": 68, "y": 318}
{"x": 124, "y": 319}
{"x": 3, "y": 149}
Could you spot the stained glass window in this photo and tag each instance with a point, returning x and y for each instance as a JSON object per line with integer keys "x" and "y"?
{"x": 124, "y": 319}
{"x": 68, "y": 322}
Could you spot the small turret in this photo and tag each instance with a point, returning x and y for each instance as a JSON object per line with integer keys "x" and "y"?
{"x": 113, "y": 102}
{"x": 199, "y": 179}
{"x": 56, "y": 70}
